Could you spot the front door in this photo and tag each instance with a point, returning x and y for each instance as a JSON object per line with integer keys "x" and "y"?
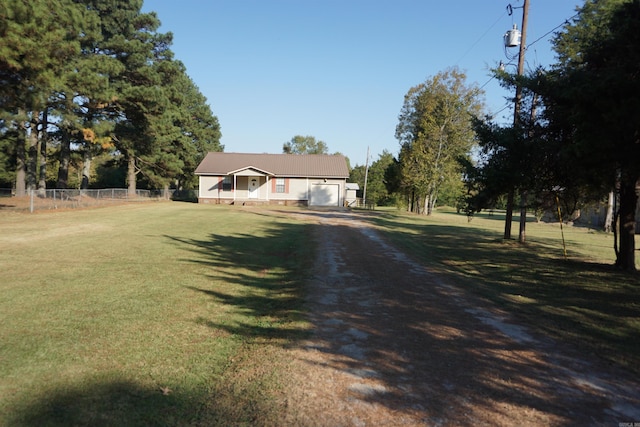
{"x": 253, "y": 188}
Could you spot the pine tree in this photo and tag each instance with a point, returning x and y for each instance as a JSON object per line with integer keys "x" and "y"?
{"x": 37, "y": 39}
{"x": 594, "y": 95}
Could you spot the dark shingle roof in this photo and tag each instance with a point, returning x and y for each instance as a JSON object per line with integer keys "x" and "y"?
{"x": 289, "y": 165}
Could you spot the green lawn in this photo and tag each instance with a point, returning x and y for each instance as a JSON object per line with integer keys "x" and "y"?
{"x": 147, "y": 314}
{"x": 179, "y": 314}
{"x": 581, "y": 299}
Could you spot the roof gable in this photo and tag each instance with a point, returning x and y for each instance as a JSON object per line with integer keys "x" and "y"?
{"x": 284, "y": 165}
{"x": 250, "y": 171}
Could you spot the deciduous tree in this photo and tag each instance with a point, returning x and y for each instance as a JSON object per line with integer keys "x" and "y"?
{"x": 434, "y": 132}
{"x": 305, "y": 145}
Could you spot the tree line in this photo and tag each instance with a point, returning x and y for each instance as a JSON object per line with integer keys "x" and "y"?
{"x": 576, "y": 139}
{"x": 90, "y": 92}
{"x": 91, "y": 85}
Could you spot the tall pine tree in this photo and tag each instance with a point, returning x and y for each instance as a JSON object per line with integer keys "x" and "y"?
{"x": 594, "y": 94}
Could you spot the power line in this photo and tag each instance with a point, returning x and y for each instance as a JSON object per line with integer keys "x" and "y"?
{"x": 507, "y": 105}
{"x": 481, "y": 37}
{"x": 493, "y": 77}
{"x": 487, "y": 82}
{"x": 566, "y": 21}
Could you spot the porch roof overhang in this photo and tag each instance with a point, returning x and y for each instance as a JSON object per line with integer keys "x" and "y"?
{"x": 250, "y": 171}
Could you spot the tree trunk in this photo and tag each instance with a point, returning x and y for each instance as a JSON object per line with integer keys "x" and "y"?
{"x": 430, "y": 203}
{"x": 412, "y": 201}
{"x": 628, "y": 204}
{"x": 609, "y": 217}
{"x": 131, "y": 174}
{"x": 522, "y": 236}
{"x": 65, "y": 160}
{"x": 21, "y": 161}
{"x": 42, "y": 172}
{"x": 508, "y": 219}
{"x": 165, "y": 191}
{"x": 86, "y": 168}
{"x": 32, "y": 164}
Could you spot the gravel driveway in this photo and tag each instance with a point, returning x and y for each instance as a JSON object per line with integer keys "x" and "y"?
{"x": 395, "y": 345}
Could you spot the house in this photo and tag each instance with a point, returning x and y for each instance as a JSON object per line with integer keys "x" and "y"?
{"x": 285, "y": 179}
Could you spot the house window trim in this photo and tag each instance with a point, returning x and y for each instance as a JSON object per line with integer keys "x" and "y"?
{"x": 275, "y": 186}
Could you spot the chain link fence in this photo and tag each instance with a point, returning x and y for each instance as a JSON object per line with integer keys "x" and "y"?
{"x": 73, "y": 198}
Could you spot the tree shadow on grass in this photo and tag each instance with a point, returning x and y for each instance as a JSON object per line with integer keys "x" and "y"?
{"x": 124, "y": 403}
{"x": 425, "y": 349}
{"x": 261, "y": 278}
{"x": 589, "y": 304}
{"x": 384, "y": 320}
{"x": 418, "y": 331}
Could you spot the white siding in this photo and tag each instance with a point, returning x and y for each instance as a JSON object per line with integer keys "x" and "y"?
{"x": 298, "y": 190}
{"x": 208, "y": 187}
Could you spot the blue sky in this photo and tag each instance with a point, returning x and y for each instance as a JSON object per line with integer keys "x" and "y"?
{"x": 338, "y": 70}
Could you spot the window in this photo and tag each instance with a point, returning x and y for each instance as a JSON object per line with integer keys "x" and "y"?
{"x": 227, "y": 184}
{"x": 280, "y": 186}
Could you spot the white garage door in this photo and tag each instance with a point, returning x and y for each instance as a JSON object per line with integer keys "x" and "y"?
{"x": 325, "y": 195}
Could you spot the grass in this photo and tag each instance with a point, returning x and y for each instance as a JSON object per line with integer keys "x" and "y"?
{"x": 152, "y": 314}
{"x": 582, "y": 299}
{"x": 180, "y": 314}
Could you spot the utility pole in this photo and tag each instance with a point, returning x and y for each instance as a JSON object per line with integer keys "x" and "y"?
{"x": 516, "y": 121}
{"x": 366, "y": 176}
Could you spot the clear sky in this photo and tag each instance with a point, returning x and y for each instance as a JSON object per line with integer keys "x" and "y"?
{"x": 338, "y": 70}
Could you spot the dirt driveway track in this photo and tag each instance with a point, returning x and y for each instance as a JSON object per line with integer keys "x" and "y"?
{"x": 395, "y": 345}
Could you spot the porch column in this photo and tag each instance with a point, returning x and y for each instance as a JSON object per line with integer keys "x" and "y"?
{"x": 235, "y": 186}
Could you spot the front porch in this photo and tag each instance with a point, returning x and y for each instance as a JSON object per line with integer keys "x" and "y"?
{"x": 243, "y": 187}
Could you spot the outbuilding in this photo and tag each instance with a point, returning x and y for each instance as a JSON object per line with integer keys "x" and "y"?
{"x": 351, "y": 196}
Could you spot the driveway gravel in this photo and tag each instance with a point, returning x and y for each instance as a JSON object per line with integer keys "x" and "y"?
{"x": 394, "y": 344}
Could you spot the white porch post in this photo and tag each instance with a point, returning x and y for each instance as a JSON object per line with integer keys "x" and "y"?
{"x": 235, "y": 186}
{"x": 268, "y": 186}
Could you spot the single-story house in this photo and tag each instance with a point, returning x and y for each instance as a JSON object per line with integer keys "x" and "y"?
{"x": 286, "y": 179}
